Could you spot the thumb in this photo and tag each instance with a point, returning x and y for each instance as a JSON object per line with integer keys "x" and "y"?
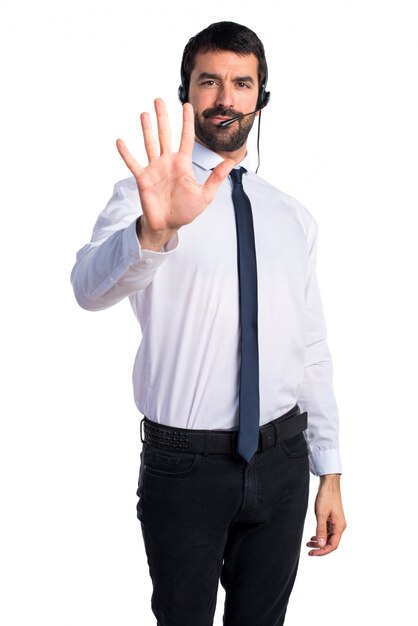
{"x": 219, "y": 173}
{"x": 321, "y": 531}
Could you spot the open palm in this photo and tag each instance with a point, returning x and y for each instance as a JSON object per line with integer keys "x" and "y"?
{"x": 170, "y": 194}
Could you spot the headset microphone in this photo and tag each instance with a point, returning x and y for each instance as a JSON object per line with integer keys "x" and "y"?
{"x": 235, "y": 119}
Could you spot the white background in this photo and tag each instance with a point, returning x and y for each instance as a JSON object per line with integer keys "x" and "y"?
{"x": 340, "y": 134}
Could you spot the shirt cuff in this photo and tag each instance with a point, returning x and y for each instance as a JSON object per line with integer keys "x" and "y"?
{"x": 146, "y": 258}
{"x": 325, "y": 461}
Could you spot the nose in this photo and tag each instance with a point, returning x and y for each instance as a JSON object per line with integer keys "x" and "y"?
{"x": 224, "y": 97}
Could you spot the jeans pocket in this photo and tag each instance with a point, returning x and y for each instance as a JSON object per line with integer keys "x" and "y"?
{"x": 295, "y": 447}
{"x": 168, "y": 462}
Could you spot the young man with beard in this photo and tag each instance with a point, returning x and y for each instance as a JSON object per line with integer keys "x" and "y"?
{"x": 233, "y": 374}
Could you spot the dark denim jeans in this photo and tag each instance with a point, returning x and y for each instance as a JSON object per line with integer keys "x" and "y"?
{"x": 211, "y": 518}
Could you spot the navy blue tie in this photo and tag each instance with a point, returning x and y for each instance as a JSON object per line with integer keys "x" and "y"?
{"x": 249, "y": 400}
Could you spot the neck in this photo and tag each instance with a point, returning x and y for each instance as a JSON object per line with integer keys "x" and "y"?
{"x": 236, "y": 155}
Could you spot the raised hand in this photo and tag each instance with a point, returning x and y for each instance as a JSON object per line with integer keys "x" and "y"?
{"x": 170, "y": 195}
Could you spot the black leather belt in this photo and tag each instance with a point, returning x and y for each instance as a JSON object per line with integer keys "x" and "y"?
{"x": 220, "y": 441}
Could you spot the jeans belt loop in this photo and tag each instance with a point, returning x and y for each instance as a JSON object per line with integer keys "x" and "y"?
{"x": 234, "y": 444}
{"x": 276, "y": 430}
{"x": 206, "y": 444}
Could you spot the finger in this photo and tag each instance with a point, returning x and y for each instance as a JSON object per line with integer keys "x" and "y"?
{"x": 149, "y": 140}
{"x": 333, "y": 541}
{"x": 321, "y": 530}
{"x": 219, "y": 174}
{"x": 318, "y": 551}
{"x": 164, "y": 131}
{"x": 313, "y": 543}
{"x": 130, "y": 162}
{"x": 322, "y": 551}
{"x": 187, "y": 133}
{"x": 314, "y": 540}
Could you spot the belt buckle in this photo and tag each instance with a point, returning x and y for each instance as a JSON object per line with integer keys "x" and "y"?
{"x": 141, "y": 430}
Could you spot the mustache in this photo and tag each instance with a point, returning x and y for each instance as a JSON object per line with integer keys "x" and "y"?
{"x": 214, "y": 112}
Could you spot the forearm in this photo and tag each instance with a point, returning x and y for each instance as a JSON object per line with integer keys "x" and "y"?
{"x": 106, "y": 273}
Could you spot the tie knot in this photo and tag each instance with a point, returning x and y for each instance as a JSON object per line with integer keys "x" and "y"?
{"x": 236, "y": 175}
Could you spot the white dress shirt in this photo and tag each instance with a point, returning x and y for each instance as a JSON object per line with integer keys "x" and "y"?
{"x": 186, "y": 299}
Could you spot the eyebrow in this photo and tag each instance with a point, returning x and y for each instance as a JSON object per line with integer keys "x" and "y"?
{"x": 239, "y": 79}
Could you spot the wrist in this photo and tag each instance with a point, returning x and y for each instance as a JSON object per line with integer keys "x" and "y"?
{"x": 151, "y": 239}
{"x": 331, "y": 481}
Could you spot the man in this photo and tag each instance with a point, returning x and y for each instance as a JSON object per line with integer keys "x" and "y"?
{"x": 219, "y": 267}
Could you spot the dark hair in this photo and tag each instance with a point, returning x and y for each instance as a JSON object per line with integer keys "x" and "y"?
{"x": 222, "y": 36}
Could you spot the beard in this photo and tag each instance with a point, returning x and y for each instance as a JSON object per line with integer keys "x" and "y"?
{"x": 219, "y": 139}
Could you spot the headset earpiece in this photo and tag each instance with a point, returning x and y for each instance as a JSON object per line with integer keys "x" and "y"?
{"x": 263, "y": 95}
{"x": 182, "y": 94}
{"x": 263, "y": 98}
{"x": 184, "y": 86}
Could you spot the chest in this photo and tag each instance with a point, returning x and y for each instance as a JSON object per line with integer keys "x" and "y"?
{"x": 209, "y": 244}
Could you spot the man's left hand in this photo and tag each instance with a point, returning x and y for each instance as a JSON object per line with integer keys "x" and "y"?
{"x": 329, "y": 516}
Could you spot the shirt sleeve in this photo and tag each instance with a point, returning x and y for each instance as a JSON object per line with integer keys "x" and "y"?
{"x": 113, "y": 265}
{"x": 317, "y": 395}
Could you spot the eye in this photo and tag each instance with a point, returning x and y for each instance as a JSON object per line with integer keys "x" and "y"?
{"x": 243, "y": 85}
{"x": 208, "y": 83}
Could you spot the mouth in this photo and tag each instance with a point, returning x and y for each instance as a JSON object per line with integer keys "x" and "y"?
{"x": 216, "y": 120}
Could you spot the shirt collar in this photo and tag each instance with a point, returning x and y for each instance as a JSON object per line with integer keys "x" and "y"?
{"x": 207, "y": 159}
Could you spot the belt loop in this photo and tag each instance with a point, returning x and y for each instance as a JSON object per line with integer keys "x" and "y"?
{"x": 276, "y": 430}
{"x": 234, "y": 444}
{"x": 206, "y": 444}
